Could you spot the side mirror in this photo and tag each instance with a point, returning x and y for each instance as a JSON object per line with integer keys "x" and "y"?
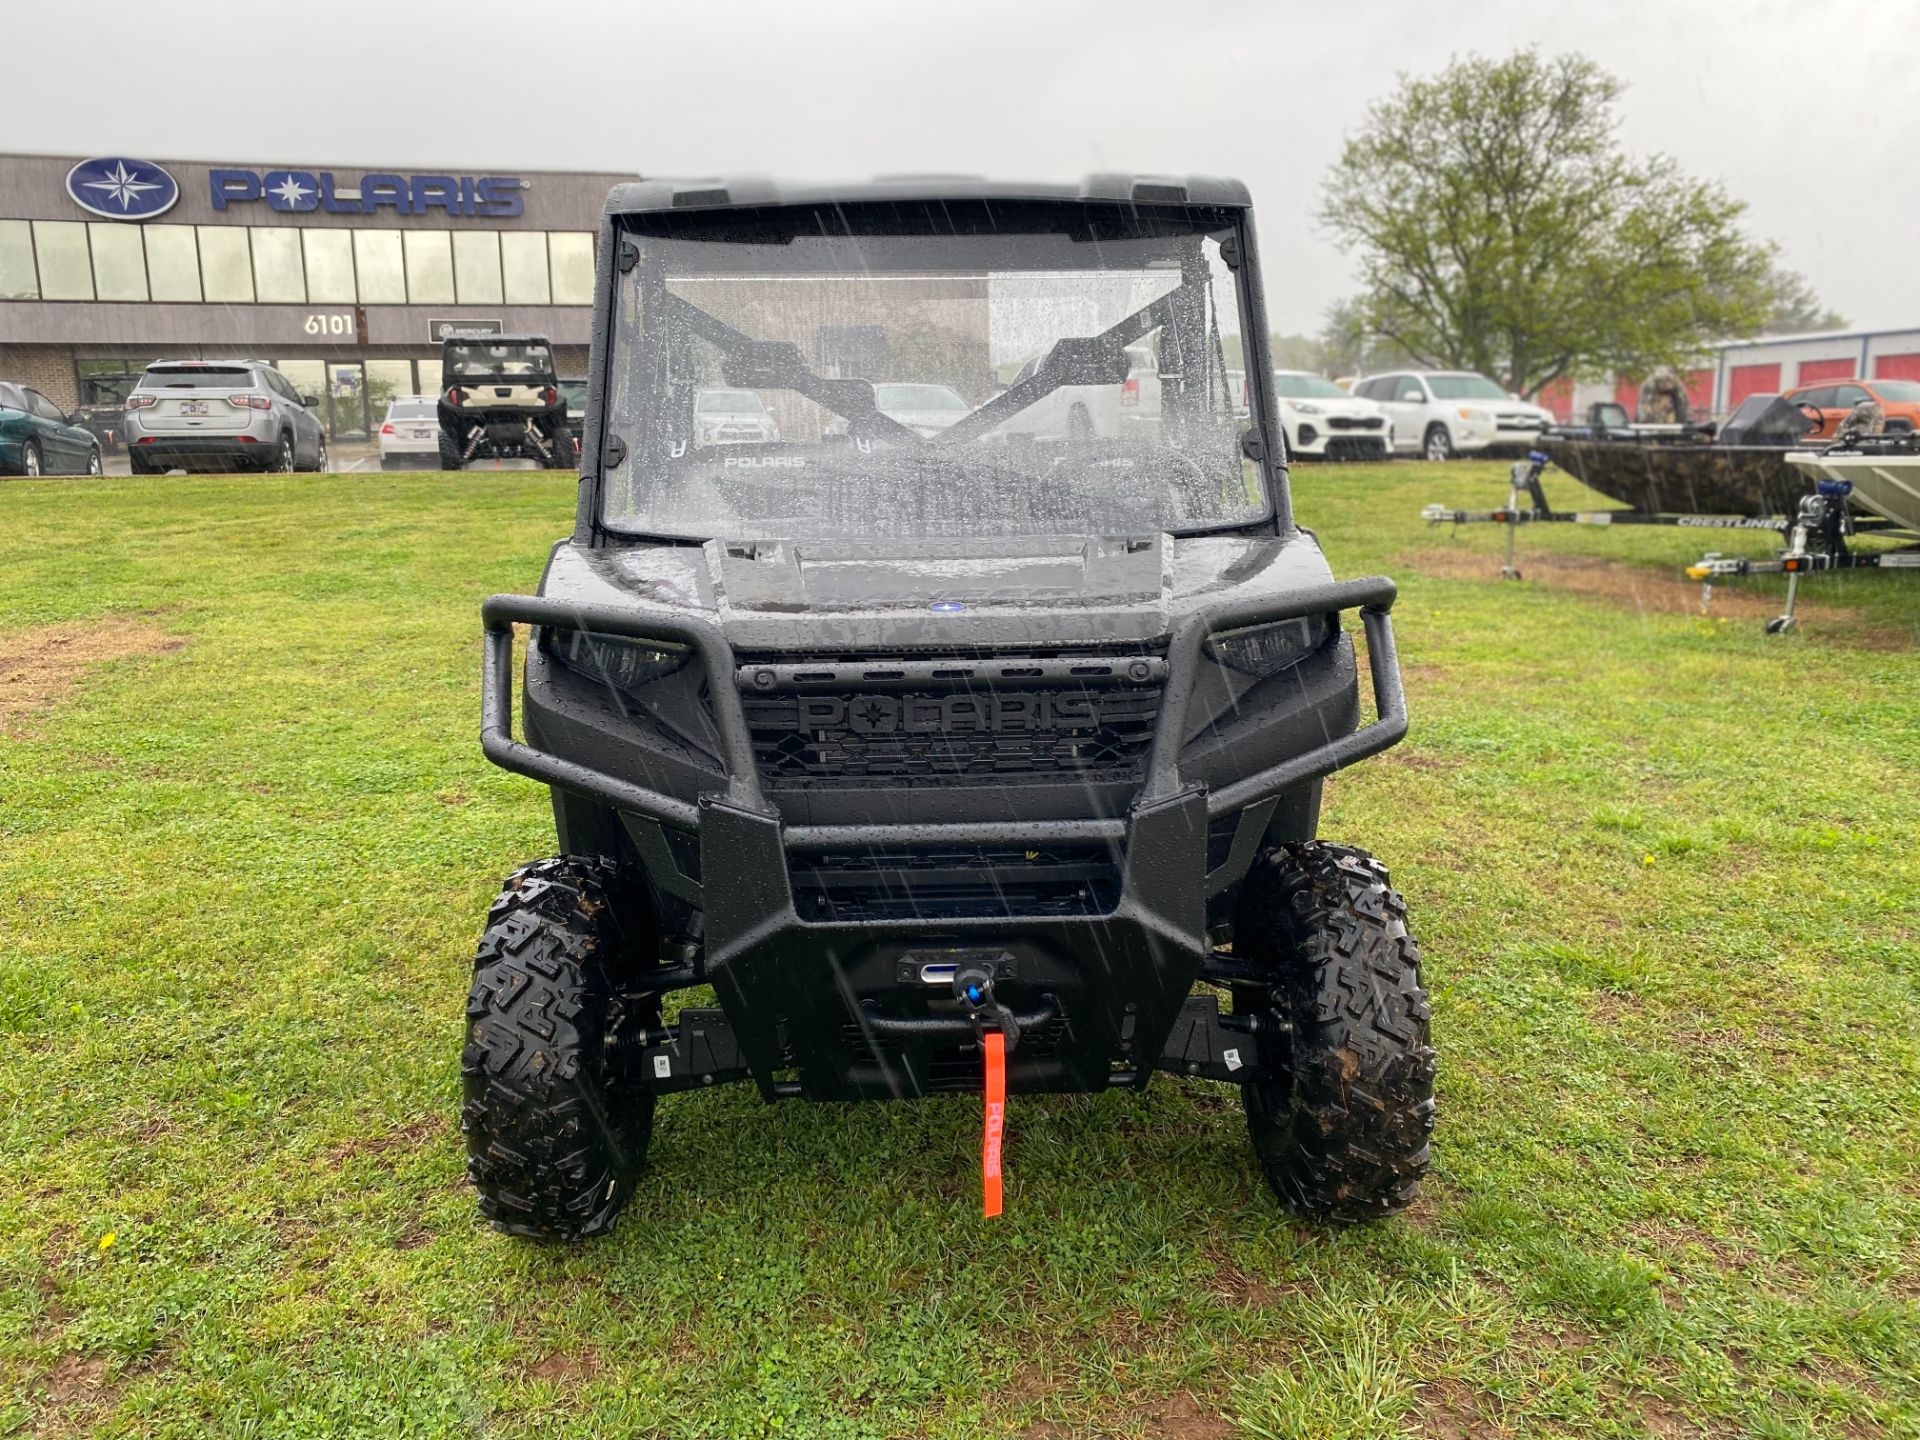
{"x": 310, "y": 401}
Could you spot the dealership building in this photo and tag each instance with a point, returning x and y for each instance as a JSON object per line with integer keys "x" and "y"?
{"x": 345, "y": 277}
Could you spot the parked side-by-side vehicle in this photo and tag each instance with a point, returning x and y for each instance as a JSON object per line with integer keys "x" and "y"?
{"x": 963, "y": 738}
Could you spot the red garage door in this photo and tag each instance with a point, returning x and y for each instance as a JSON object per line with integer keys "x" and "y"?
{"x": 1897, "y": 367}
{"x": 1745, "y": 380}
{"x": 1812, "y": 372}
{"x": 1557, "y": 397}
{"x": 1700, "y": 393}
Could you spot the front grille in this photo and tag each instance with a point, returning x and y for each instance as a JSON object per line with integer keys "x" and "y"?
{"x": 1355, "y": 422}
{"x": 1356, "y": 447}
{"x": 955, "y": 882}
{"x": 1004, "y": 719}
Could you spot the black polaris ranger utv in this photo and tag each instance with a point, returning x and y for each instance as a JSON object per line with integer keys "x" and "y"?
{"x": 954, "y": 753}
{"x": 502, "y": 401}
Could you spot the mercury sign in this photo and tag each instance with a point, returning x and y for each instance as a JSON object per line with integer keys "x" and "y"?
{"x": 300, "y": 191}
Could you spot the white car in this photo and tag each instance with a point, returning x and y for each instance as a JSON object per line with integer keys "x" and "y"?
{"x": 1084, "y": 412}
{"x": 1443, "y": 413}
{"x": 732, "y": 417}
{"x": 924, "y": 409}
{"x": 410, "y": 434}
{"x": 1324, "y": 421}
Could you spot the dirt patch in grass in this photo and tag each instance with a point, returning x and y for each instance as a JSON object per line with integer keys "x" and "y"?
{"x": 1179, "y": 1417}
{"x": 410, "y": 1136}
{"x": 76, "y": 1391}
{"x": 1185, "y": 1417}
{"x": 1450, "y": 1410}
{"x": 1639, "y": 587}
{"x": 566, "y": 1367}
{"x": 40, "y": 668}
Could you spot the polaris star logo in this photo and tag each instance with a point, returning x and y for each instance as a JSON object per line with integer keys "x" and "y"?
{"x": 948, "y": 714}
{"x": 122, "y": 189}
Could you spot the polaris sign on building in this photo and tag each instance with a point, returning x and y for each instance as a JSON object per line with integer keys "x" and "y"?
{"x": 344, "y": 276}
{"x": 298, "y": 192}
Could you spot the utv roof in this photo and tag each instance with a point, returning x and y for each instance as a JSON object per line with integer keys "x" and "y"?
{"x": 488, "y": 338}
{"x": 734, "y": 191}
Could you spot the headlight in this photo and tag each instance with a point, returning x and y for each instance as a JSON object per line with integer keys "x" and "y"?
{"x": 1264, "y": 651}
{"x": 1466, "y": 414}
{"x": 1303, "y": 408}
{"x": 623, "y": 664}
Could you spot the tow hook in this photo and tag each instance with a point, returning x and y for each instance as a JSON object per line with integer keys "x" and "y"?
{"x": 973, "y": 987}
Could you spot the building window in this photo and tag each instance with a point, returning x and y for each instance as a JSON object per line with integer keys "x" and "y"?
{"x": 476, "y": 266}
{"x": 429, "y": 267}
{"x": 308, "y": 377}
{"x": 17, "y": 278}
{"x": 383, "y": 275}
{"x": 329, "y": 266}
{"x": 278, "y": 276}
{"x": 523, "y": 259}
{"x": 226, "y": 266}
{"x": 173, "y": 262}
{"x": 572, "y": 253}
{"x": 119, "y": 262}
{"x": 66, "y": 270}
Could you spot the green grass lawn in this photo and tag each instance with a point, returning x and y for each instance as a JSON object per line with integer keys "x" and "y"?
{"x": 1664, "y": 868}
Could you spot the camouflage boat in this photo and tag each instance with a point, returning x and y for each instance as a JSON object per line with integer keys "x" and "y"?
{"x": 1687, "y": 470}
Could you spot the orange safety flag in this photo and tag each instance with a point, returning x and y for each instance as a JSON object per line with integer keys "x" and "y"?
{"x": 996, "y": 1052}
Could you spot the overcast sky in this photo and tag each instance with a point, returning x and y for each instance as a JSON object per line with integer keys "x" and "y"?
{"x": 1808, "y": 111}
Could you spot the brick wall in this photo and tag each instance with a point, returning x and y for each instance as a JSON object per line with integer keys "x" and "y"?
{"x": 46, "y": 368}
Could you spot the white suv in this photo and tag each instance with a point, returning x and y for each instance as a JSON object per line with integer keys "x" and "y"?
{"x": 1443, "y": 413}
{"x": 1323, "y": 420}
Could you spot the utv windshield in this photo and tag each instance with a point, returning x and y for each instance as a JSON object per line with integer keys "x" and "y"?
{"x": 950, "y": 369}
{"x": 480, "y": 358}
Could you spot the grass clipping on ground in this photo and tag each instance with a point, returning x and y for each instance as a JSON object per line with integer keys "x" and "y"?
{"x": 1664, "y": 871}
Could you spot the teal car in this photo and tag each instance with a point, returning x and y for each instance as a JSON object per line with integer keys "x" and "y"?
{"x": 37, "y": 437}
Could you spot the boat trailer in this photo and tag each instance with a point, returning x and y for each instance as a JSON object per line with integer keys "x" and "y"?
{"x": 1813, "y": 539}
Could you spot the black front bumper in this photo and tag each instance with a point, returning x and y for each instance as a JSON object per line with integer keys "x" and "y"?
{"x": 840, "y": 1009}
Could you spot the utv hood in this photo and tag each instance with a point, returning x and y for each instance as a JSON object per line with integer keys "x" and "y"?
{"x": 946, "y": 575}
{"x": 875, "y": 594}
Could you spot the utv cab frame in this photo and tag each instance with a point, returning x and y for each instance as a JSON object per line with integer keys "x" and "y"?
{"x": 926, "y": 749}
